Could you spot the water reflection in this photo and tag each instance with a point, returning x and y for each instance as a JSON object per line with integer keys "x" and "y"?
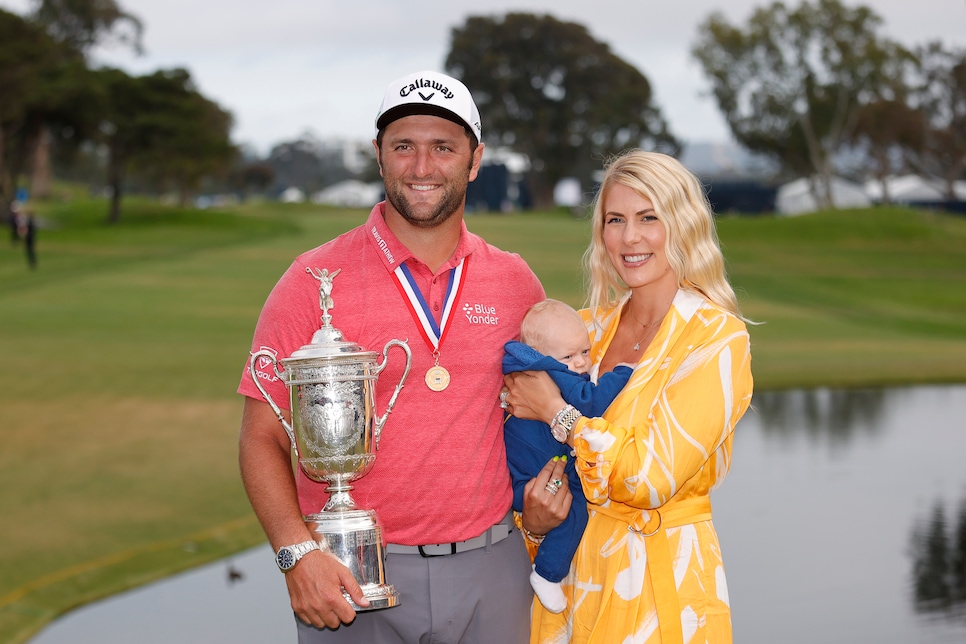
{"x": 242, "y": 600}
{"x": 815, "y": 518}
{"x": 939, "y": 562}
{"x": 834, "y": 414}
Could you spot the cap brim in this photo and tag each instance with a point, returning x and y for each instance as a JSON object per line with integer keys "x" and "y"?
{"x": 411, "y": 109}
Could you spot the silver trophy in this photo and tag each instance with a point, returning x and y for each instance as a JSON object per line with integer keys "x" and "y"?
{"x": 336, "y": 432}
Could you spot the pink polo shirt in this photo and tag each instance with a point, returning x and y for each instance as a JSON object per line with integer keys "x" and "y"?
{"x": 440, "y": 472}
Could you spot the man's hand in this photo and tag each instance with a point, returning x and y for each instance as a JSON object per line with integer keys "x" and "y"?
{"x": 315, "y": 586}
{"x": 543, "y": 511}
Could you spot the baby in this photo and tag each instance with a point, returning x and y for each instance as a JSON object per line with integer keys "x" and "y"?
{"x": 554, "y": 339}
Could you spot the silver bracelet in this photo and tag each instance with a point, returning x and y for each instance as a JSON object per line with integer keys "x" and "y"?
{"x": 556, "y": 418}
{"x": 563, "y": 423}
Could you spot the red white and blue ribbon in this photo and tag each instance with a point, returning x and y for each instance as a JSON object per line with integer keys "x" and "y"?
{"x": 433, "y": 333}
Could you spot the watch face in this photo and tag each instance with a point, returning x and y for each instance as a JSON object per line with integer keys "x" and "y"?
{"x": 285, "y": 558}
{"x": 559, "y": 433}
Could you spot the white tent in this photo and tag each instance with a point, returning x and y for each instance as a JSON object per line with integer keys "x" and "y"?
{"x": 911, "y": 188}
{"x": 350, "y": 193}
{"x": 567, "y": 192}
{"x": 795, "y": 198}
{"x": 292, "y": 195}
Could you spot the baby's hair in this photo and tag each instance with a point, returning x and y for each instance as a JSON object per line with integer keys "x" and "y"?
{"x": 536, "y": 328}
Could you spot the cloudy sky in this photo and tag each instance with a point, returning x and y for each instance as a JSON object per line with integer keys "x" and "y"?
{"x": 285, "y": 67}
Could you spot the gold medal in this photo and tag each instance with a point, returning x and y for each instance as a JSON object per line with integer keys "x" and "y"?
{"x": 432, "y": 330}
{"x": 437, "y": 378}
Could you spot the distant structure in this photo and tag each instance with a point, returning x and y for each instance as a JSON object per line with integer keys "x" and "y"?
{"x": 292, "y": 194}
{"x": 740, "y": 196}
{"x": 795, "y": 197}
{"x": 735, "y": 180}
{"x": 350, "y": 194}
{"x": 914, "y": 190}
{"x": 501, "y": 184}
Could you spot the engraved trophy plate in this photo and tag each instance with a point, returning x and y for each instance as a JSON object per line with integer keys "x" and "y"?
{"x": 335, "y": 433}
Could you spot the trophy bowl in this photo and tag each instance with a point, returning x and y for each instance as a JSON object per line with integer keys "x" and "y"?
{"x": 335, "y": 433}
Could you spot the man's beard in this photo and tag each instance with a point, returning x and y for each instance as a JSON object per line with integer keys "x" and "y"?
{"x": 453, "y": 198}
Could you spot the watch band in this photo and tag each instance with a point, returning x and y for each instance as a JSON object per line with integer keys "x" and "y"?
{"x": 288, "y": 556}
{"x": 563, "y": 423}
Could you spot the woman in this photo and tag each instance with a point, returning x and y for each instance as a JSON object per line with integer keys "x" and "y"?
{"x": 649, "y": 567}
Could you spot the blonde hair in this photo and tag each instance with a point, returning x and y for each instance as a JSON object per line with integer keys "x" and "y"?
{"x": 680, "y": 204}
{"x": 535, "y": 331}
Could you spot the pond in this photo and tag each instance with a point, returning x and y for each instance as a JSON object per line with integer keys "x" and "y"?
{"x": 843, "y": 520}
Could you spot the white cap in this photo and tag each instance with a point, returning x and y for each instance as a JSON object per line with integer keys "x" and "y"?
{"x": 429, "y": 93}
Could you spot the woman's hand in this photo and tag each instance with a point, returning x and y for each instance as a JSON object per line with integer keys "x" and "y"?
{"x": 533, "y": 395}
{"x": 543, "y": 510}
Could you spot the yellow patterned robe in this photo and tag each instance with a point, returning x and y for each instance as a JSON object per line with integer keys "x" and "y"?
{"x": 649, "y": 567}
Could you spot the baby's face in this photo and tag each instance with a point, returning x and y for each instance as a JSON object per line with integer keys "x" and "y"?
{"x": 572, "y": 347}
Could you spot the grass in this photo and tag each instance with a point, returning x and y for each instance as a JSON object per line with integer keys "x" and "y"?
{"x": 123, "y": 350}
{"x": 853, "y": 297}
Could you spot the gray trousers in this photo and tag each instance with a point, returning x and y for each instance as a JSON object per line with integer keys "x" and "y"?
{"x": 479, "y": 596}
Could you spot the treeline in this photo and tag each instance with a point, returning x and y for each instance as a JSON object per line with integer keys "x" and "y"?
{"x": 821, "y": 90}
{"x": 56, "y": 107}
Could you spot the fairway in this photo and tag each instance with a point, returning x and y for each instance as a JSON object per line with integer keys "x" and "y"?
{"x": 123, "y": 350}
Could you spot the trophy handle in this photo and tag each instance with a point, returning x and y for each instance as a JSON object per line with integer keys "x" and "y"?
{"x": 381, "y": 420}
{"x": 278, "y": 412}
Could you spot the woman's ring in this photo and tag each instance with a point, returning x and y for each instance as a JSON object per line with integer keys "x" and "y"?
{"x": 553, "y": 487}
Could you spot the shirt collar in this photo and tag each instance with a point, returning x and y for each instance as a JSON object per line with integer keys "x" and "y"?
{"x": 393, "y": 252}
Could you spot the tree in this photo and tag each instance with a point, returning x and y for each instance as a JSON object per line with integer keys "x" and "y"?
{"x": 81, "y": 24}
{"x": 791, "y": 83}
{"x": 308, "y": 164}
{"x": 296, "y": 163}
{"x": 42, "y": 83}
{"x": 251, "y": 176}
{"x": 889, "y": 127}
{"x": 549, "y": 90}
{"x": 127, "y": 102}
{"x": 942, "y": 97}
{"x": 197, "y": 144}
{"x": 888, "y": 131}
{"x": 78, "y": 25}
{"x": 160, "y": 126}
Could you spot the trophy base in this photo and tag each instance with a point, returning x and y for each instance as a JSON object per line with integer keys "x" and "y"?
{"x": 382, "y": 596}
{"x": 355, "y": 538}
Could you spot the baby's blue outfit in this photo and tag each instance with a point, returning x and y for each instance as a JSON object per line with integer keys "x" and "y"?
{"x": 529, "y": 445}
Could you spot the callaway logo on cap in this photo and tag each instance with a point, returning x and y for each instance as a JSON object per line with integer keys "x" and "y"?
{"x": 429, "y": 93}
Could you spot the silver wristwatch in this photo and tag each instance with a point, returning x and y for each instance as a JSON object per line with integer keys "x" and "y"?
{"x": 288, "y": 556}
{"x": 563, "y": 423}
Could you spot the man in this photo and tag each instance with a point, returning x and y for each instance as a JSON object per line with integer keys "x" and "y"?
{"x": 13, "y": 219}
{"x": 28, "y": 232}
{"x": 440, "y": 481}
